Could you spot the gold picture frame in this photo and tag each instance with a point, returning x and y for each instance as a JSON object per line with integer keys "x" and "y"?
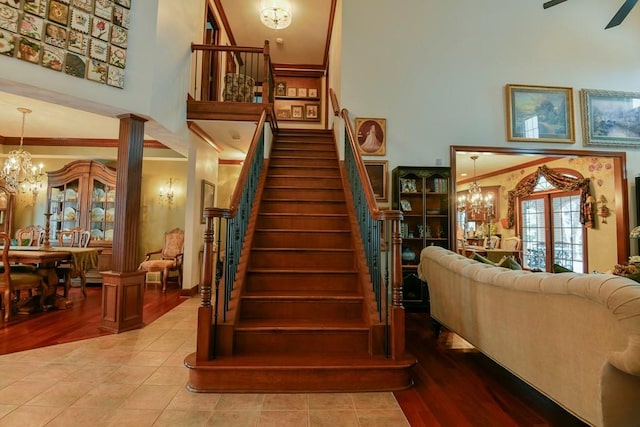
{"x": 371, "y": 136}
{"x": 540, "y": 113}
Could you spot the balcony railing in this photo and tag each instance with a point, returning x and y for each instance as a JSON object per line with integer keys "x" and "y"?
{"x": 231, "y": 73}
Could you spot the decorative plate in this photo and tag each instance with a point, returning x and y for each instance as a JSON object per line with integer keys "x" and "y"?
{"x": 108, "y": 235}
{"x": 97, "y": 234}
{"x": 71, "y": 195}
{"x": 98, "y": 195}
{"x": 110, "y": 214}
{"x": 69, "y": 214}
{"x": 97, "y": 214}
{"x": 111, "y": 196}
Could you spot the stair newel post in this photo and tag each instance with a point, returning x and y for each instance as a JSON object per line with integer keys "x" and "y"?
{"x": 266, "y": 80}
{"x": 205, "y": 311}
{"x": 396, "y": 309}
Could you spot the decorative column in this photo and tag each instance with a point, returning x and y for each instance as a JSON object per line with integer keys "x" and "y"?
{"x": 123, "y": 286}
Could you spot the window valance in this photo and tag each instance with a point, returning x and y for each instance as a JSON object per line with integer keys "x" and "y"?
{"x": 560, "y": 181}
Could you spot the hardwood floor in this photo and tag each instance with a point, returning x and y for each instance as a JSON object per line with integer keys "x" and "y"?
{"x": 454, "y": 384}
{"x": 79, "y": 322}
{"x": 457, "y": 385}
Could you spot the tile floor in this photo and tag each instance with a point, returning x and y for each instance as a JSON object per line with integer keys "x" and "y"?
{"x": 137, "y": 378}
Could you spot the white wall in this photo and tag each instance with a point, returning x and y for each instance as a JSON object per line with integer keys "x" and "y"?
{"x": 436, "y": 70}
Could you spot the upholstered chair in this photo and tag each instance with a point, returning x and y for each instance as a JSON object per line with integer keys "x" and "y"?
{"x": 12, "y": 282}
{"x": 170, "y": 257}
{"x": 238, "y": 88}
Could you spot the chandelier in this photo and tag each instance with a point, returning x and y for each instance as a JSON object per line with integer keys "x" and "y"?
{"x": 18, "y": 173}
{"x": 475, "y": 192}
{"x": 275, "y": 14}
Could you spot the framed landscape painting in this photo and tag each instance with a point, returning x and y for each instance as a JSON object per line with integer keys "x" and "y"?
{"x": 540, "y": 113}
{"x": 611, "y": 118}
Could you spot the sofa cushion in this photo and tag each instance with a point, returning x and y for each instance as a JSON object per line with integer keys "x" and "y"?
{"x": 557, "y": 268}
{"x": 477, "y": 257}
{"x": 510, "y": 263}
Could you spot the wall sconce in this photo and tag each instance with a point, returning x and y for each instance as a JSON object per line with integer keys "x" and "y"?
{"x": 166, "y": 194}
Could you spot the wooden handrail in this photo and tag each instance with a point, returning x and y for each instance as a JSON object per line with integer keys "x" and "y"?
{"x": 250, "y": 49}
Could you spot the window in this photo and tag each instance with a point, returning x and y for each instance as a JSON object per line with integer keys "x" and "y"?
{"x": 551, "y": 228}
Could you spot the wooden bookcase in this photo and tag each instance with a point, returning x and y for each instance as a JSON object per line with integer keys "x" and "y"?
{"x": 82, "y": 194}
{"x": 423, "y": 196}
{"x": 298, "y": 97}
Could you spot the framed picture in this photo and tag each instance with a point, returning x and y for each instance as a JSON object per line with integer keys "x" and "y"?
{"x": 292, "y": 91}
{"x": 311, "y": 111}
{"x": 207, "y": 197}
{"x": 610, "y": 118}
{"x": 371, "y": 136}
{"x": 378, "y": 176}
{"x": 540, "y": 113}
{"x": 297, "y": 111}
{"x": 313, "y": 93}
{"x": 302, "y": 92}
{"x": 281, "y": 88}
{"x": 283, "y": 114}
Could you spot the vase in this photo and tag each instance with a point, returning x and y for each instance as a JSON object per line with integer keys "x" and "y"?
{"x": 408, "y": 254}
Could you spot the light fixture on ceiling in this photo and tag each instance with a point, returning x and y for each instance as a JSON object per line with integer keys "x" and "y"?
{"x": 275, "y": 14}
{"x": 475, "y": 191}
{"x": 166, "y": 195}
{"x": 18, "y": 172}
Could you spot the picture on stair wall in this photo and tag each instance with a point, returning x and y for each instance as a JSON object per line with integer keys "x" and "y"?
{"x": 371, "y": 135}
{"x": 379, "y": 178}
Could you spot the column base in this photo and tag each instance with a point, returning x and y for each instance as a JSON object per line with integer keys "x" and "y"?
{"x": 122, "y": 301}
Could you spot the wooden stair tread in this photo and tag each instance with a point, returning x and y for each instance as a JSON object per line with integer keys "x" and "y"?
{"x": 298, "y": 325}
{"x": 303, "y": 295}
{"x": 363, "y": 361}
{"x": 306, "y": 270}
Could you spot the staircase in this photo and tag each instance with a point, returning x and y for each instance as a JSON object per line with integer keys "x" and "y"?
{"x": 303, "y": 318}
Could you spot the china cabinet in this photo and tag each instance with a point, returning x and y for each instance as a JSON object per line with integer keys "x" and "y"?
{"x": 7, "y": 202}
{"x": 82, "y": 195}
{"x": 422, "y": 194}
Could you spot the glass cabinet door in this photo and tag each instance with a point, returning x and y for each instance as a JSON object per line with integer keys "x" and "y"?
{"x": 65, "y": 208}
{"x": 103, "y": 202}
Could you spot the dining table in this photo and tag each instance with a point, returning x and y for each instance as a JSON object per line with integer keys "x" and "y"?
{"x": 46, "y": 259}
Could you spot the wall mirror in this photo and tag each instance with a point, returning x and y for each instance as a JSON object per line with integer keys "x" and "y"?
{"x": 542, "y": 219}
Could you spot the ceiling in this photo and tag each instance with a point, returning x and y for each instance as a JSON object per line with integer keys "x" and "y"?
{"x": 304, "y": 42}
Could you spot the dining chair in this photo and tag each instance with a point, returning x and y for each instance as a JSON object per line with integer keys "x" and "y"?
{"x": 73, "y": 238}
{"x": 512, "y": 243}
{"x": 32, "y": 235}
{"x": 170, "y": 257}
{"x": 12, "y": 282}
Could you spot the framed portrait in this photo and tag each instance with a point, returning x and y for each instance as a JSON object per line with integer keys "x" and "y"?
{"x": 540, "y": 113}
{"x": 311, "y": 111}
{"x": 207, "y": 197}
{"x": 281, "y": 88}
{"x": 283, "y": 114}
{"x": 610, "y": 118}
{"x": 292, "y": 91}
{"x": 379, "y": 177}
{"x": 313, "y": 93}
{"x": 297, "y": 112}
{"x": 371, "y": 136}
{"x": 302, "y": 92}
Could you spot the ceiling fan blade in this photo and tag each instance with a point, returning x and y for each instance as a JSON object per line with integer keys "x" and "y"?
{"x": 622, "y": 13}
{"x": 550, "y": 3}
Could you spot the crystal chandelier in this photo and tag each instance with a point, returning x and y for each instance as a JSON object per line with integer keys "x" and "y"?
{"x": 18, "y": 173}
{"x": 275, "y": 14}
{"x": 475, "y": 192}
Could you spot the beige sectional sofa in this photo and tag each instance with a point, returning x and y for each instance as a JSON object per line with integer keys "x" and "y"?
{"x": 574, "y": 337}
